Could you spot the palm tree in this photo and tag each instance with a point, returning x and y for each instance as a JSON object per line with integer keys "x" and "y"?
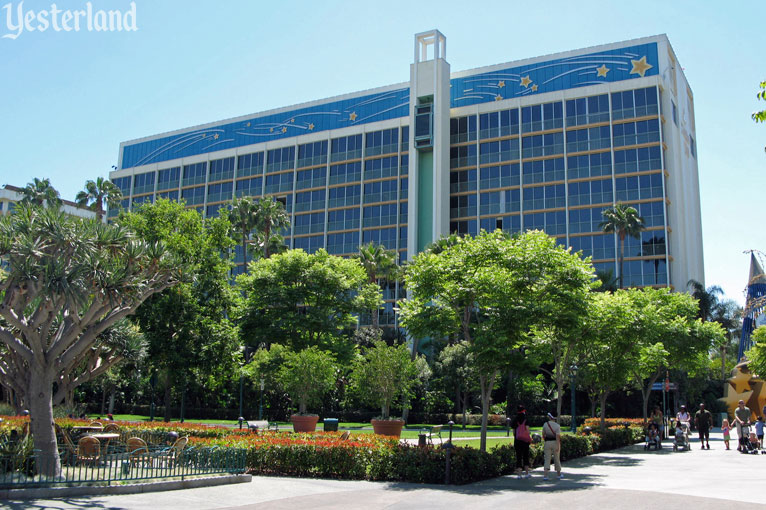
{"x": 243, "y": 220}
{"x": 270, "y": 217}
{"x": 708, "y": 298}
{"x": 378, "y": 263}
{"x": 625, "y": 221}
{"x": 41, "y": 192}
{"x": 607, "y": 279}
{"x": 97, "y": 193}
{"x": 728, "y": 314}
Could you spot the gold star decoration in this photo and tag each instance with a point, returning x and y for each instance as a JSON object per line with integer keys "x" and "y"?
{"x": 740, "y": 381}
{"x": 501, "y": 84}
{"x": 352, "y": 116}
{"x": 271, "y": 130}
{"x": 284, "y": 130}
{"x": 204, "y": 135}
{"x": 525, "y": 81}
{"x": 215, "y": 136}
{"x": 498, "y": 97}
{"x": 602, "y": 70}
{"x": 247, "y": 125}
{"x": 534, "y": 88}
{"x": 292, "y": 120}
{"x": 640, "y": 66}
{"x": 311, "y": 127}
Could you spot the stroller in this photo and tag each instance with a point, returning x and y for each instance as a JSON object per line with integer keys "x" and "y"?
{"x": 746, "y": 444}
{"x": 653, "y": 438}
{"x": 681, "y": 439}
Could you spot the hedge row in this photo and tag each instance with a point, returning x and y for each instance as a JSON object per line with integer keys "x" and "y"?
{"x": 407, "y": 463}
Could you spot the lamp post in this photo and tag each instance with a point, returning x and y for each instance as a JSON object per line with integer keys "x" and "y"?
{"x": 247, "y": 353}
{"x": 260, "y": 407}
{"x": 572, "y": 380}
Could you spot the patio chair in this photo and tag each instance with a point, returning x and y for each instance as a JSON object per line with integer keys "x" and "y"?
{"x": 172, "y": 455}
{"x": 138, "y": 452}
{"x": 345, "y": 436}
{"x": 96, "y": 424}
{"x": 88, "y": 450}
{"x": 111, "y": 427}
{"x": 71, "y": 450}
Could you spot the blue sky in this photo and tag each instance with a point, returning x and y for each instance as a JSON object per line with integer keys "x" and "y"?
{"x": 67, "y": 99}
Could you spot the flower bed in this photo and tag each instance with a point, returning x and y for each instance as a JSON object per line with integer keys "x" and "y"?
{"x": 366, "y": 456}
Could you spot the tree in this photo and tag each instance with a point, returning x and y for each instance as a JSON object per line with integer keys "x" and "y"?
{"x": 605, "y": 364}
{"x": 756, "y": 355}
{"x": 667, "y": 335}
{"x": 760, "y": 116}
{"x": 608, "y": 282}
{"x": 308, "y": 375}
{"x": 97, "y": 194}
{"x": 624, "y": 221}
{"x": 188, "y": 327}
{"x": 728, "y": 314}
{"x": 69, "y": 279}
{"x": 270, "y": 218}
{"x": 708, "y": 299}
{"x": 243, "y": 219}
{"x": 40, "y": 192}
{"x": 378, "y": 263}
{"x": 495, "y": 288}
{"x": 458, "y": 370}
{"x": 299, "y": 300}
{"x": 383, "y": 375}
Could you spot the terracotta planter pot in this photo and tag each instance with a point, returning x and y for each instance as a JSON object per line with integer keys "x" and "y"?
{"x": 391, "y": 428}
{"x": 304, "y": 423}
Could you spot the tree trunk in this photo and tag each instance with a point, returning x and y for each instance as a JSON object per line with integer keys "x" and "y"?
{"x": 723, "y": 361}
{"x": 487, "y": 382}
{"x": 508, "y": 388}
{"x": 40, "y": 397}
{"x": 111, "y": 400}
{"x": 168, "y": 388}
{"x": 602, "y": 401}
{"x": 593, "y": 401}
{"x": 559, "y": 394}
{"x": 622, "y": 255}
{"x": 267, "y": 236}
{"x": 103, "y": 400}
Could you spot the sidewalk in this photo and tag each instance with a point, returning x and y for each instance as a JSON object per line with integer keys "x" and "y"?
{"x": 625, "y": 478}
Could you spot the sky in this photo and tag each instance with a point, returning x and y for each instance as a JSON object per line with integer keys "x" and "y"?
{"x": 67, "y": 99}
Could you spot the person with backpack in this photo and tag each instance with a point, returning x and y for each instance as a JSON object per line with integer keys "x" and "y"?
{"x": 521, "y": 441}
{"x": 552, "y": 446}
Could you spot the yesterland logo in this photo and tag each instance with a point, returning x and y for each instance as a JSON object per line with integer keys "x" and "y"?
{"x": 19, "y": 20}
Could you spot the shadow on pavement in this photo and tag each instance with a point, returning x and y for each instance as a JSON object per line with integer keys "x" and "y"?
{"x": 66, "y": 503}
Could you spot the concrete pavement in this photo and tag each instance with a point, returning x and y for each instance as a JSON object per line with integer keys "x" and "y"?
{"x": 625, "y": 478}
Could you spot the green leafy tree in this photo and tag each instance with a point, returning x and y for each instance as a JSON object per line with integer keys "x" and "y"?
{"x": 97, "y": 194}
{"x": 68, "y": 280}
{"x": 495, "y": 288}
{"x": 605, "y": 365}
{"x": 728, "y": 314}
{"x": 667, "y": 334}
{"x": 308, "y": 375}
{"x": 188, "y": 328}
{"x": 756, "y": 355}
{"x": 708, "y": 298}
{"x": 457, "y": 370}
{"x": 299, "y": 300}
{"x": 384, "y": 375}
{"x": 625, "y": 221}
{"x": 40, "y": 192}
{"x": 379, "y": 264}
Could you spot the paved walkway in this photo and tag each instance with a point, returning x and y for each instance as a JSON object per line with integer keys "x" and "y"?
{"x": 625, "y": 478}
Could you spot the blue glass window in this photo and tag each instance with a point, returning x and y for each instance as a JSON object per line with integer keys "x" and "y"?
{"x": 403, "y": 213}
{"x": 381, "y": 167}
{"x": 542, "y": 117}
{"x": 634, "y": 103}
{"x": 377, "y": 215}
{"x": 168, "y": 178}
{"x": 405, "y": 138}
{"x": 170, "y": 195}
{"x": 308, "y": 223}
{"x": 499, "y": 202}
{"x": 462, "y": 129}
{"x": 219, "y": 192}
{"x": 638, "y": 187}
{"x": 280, "y": 159}
{"x": 249, "y": 187}
{"x": 380, "y": 191}
{"x": 503, "y": 150}
{"x": 653, "y": 214}
{"x": 496, "y": 124}
{"x": 194, "y": 196}
{"x": 250, "y": 164}
{"x": 222, "y": 169}
{"x": 510, "y": 224}
{"x": 344, "y": 196}
{"x": 586, "y": 220}
{"x": 543, "y": 145}
{"x": 404, "y": 189}
{"x": 589, "y": 165}
{"x": 499, "y": 176}
{"x": 404, "y": 163}
{"x": 465, "y": 227}
{"x": 311, "y": 154}
{"x": 343, "y": 219}
{"x": 590, "y": 192}
{"x": 143, "y": 183}
{"x": 637, "y": 160}
{"x": 313, "y": 178}
{"x": 587, "y": 110}
{"x": 462, "y": 206}
{"x": 195, "y": 174}
{"x": 588, "y": 139}
{"x": 279, "y": 182}
{"x": 345, "y": 243}
{"x": 548, "y": 170}
{"x": 634, "y": 133}
{"x": 309, "y": 200}
{"x": 309, "y": 244}
{"x": 383, "y": 236}
{"x": 347, "y": 147}
{"x": 462, "y": 156}
{"x": 124, "y": 184}
{"x": 381, "y": 142}
{"x": 346, "y": 172}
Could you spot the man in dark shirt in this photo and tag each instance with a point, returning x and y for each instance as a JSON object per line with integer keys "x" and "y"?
{"x": 703, "y": 419}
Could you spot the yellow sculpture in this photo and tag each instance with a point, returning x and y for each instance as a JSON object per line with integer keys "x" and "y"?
{"x": 743, "y": 385}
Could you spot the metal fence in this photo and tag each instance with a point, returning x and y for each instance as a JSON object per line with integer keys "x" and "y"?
{"x": 18, "y": 471}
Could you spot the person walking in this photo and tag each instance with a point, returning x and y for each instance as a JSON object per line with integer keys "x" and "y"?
{"x": 742, "y": 415}
{"x": 521, "y": 441}
{"x": 703, "y": 420}
{"x": 552, "y": 447}
{"x": 658, "y": 418}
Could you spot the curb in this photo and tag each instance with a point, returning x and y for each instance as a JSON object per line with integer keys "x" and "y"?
{"x": 64, "y": 492}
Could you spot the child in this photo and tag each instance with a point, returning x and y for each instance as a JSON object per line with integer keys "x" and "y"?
{"x": 726, "y": 429}
{"x": 759, "y": 431}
